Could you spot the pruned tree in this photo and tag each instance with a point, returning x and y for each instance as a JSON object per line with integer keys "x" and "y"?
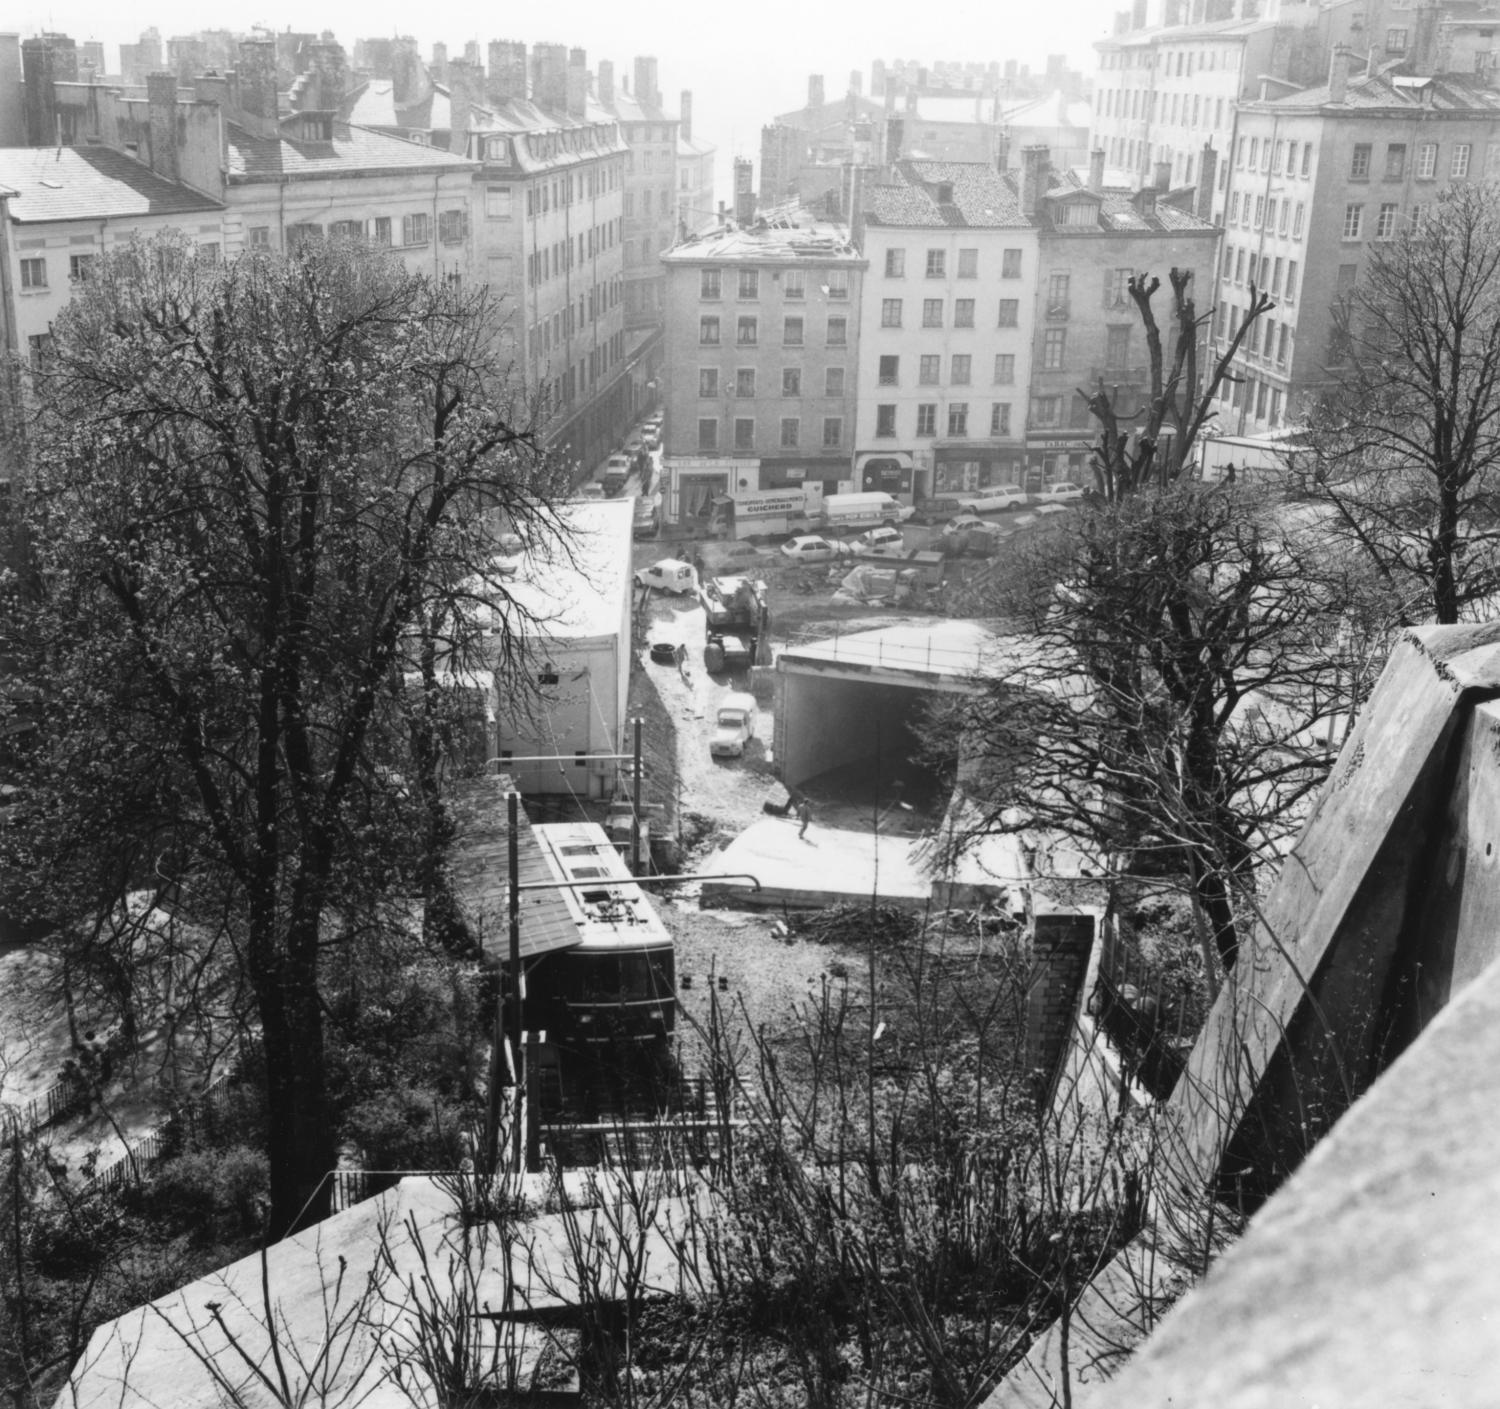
{"x": 1405, "y": 443}
{"x": 260, "y": 496}
{"x": 1176, "y": 668}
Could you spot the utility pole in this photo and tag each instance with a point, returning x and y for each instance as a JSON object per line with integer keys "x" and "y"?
{"x": 635, "y": 805}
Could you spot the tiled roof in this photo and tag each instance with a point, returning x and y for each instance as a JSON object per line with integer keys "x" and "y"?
{"x": 1119, "y": 213}
{"x": 90, "y": 183}
{"x": 1450, "y": 92}
{"x": 481, "y": 876}
{"x": 352, "y": 149}
{"x": 981, "y": 197}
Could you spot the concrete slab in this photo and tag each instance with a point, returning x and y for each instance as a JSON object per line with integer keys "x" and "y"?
{"x": 830, "y": 866}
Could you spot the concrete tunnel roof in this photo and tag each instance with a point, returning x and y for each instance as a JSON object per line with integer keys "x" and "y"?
{"x": 928, "y": 652}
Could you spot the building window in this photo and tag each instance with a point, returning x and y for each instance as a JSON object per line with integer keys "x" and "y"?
{"x": 1000, "y": 418}
{"x": 744, "y": 382}
{"x": 708, "y": 434}
{"x": 963, "y": 313}
{"x": 895, "y": 264}
{"x": 833, "y": 381}
{"x": 838, "y": 332}
{"x": 1010, "y": 264}
{"x": 929, "y": 369}
{"x": 1281, "y": 345}
{"x": 1297, "y": 222}
{"x": 927, "y": 418}
{"x": 1009, "y": 309}
{"x": 346, "y": 229}
{"x": 744, "y": 432}
{"x": 1459, "y": 167}
{"x": 710, "y": 283}
{"x": 260, "y": 235}
{"x": 1307, "y": 151}
{"x": 1427, "y": 154}
{"x": 838, "y": 283}
{"x": 497, "y": 202}
{"x": 1354, "y": 216}
{"x": 1395, "y": 41}
{"x": 1057, "y": 295}
{"x": 749, "y": 283}
{"x": 40, "y": 348}
{"x": 791, "y": 381}
{"x": 1359, "y": 163}
{"x": 936, "y": 263}
{"x": 890, "y": 313}
{"x": 708, "y": 381}
{"x": 1395, "y": 161}
{"x": 958, "y": 418}
{"x": 1117, "y": 288}
{"x": 932, "y": 313}
{"x": 451, "y": 226}
{"x": 1054, "y": 348}
{"x": 747, "y": 332}
{"x": 708, "y": 332}
{"x": 960, "y": 370}
{"x": 890, "y": 369}
{"x": 1117, "y": 346}
{"x": 833, "y": 432}
{"x": 80, "y": 266}
{"x": 791, "y": 428}
{"x": 1005, "y": 369}
{"x": 34, "y": 273}
{"x": 791, "y": 332}
{"x": 414, "y": 230}
{"x": 794, "y": 285}
{"x": 1048, "y": 411}
{"x": 968, "y": 264}
{"x": 1385, "y": 223}
{"x": 885, "y": 420}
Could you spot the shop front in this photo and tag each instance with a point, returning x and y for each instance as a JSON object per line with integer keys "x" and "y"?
{"x": 805, "y": 471}
{"x": 1056, "y": 458}
{"x": 967, "y": 469}
{"x": 691, "y": 483}
{"x": 885, "y": 472}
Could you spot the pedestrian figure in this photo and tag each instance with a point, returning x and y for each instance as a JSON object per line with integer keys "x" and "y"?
{"x": 682, "y": 655}
{"x": 804, "y": 815}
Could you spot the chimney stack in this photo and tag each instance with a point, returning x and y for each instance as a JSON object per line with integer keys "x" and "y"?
{"x": 256, "y": 68}
{"x": 1034, "y": 162}
{"x": 895, "y": 136}
{"x": 39, "y": 92}
{"x": 1208, "y": 171}
{"x": 410, "y": 82}
{"x": 161, "y": 105}
{"x": 1338, "y": 74}
{"x": 578, "y": 84}
{"x": 549, "y": 78}
{"x": 327, "y": 63}
{"x": 1163, "y": 175}
{"x": 465, "y": 92}
{"x": 1096, "y": 170}
{"x": 685, "y": 109}
{"x": 507, "y": 75}
{"x": 646, "y": 93}
{"x": 814, "y": 91}
{"x": 439, "y": 63}
{"x": 607, "y": 84}
{"x": 744, "y": 191}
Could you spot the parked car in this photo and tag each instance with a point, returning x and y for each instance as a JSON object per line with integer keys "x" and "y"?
{"x": 616, "y": 472}
{"x": 647, "y": 517}
{"x": 1064, "y": 492}
{"x": 963, "y": 523}
{"x": 651, "y": 438}
{"x": 722, "y": 557}
{"x": 809, "y": 548}
{"x": 880, "y": 543}
{"x": 997, "y": 496}
{"x": 734, "y": 726}
{"x": 669, "y": 575}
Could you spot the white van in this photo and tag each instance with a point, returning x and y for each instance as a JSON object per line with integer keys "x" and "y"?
{"x": 862, "y": 510}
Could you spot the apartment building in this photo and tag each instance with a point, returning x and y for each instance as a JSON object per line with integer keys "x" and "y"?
{"x": 1318, "y": 179}
{"x": 762, "y": 326}
{"x": 1087, "y": 328}
{"x": 944, "y": 357}
{"x": 695, "y": 174}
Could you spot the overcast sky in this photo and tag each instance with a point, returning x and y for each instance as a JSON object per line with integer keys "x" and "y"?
{"x": 744, "y": 62}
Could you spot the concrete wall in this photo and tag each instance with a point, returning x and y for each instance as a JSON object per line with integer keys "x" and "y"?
{"x": 826, "y": 721}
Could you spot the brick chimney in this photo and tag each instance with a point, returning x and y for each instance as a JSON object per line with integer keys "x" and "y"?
{"x": 1424, "y": 47}
{"x": 1096, "y": 170}
{"x": 1338, "y": 74}
{"x": 814, "y": 90}
{"x": 549, "y": 77}
{"x": 744, "y": 191}
{"x": 330, "y": 69}
{"x": 39, "y": 91}
{"x": 895, "y": 137}
{"x": 578, "y": 83}
{"x": 646, "y": 93}
{"x": 507, "y": 78}
{"x": 1208, "y": 170}
{"x": 259, "y": 112}
{"x": 685, "y": 108}
{"x": 606, "y": 84}
{"x": 465, "y": 93}
{"x": 1034, "y": 166}
{"x": 161, "y": 107}
{"x": 410, "y": 82}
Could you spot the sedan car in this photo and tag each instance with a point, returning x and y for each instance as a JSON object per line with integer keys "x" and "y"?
{"x": 809, "y": 548}
{"x": 963, "y": 523}
{"x": 1064, "y": 492}
{"x": 881, "y": 543}
{"x": 997, "y": 496}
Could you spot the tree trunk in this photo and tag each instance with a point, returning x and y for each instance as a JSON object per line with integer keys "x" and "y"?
{"x": 300, "y": 1141}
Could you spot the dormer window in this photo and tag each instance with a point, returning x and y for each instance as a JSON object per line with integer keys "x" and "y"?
{"x": 316, "y": 127}
{"x": 1078, "y": 213}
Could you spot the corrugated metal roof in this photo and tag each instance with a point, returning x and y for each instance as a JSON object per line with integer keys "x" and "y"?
{"x": 90, "y": 183}
{"x": 481, "y": 875}
{"x": 352, "y": 149}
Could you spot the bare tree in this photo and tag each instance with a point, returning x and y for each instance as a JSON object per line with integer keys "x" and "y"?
{"x": 1405, "y": 444}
